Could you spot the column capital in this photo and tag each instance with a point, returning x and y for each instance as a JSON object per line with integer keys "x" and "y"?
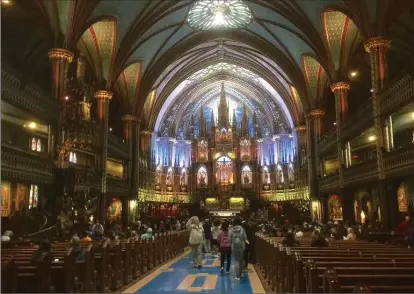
{"x": 300, "y": 128}
{"x": 375, "y": 43}
{"x": 60, "y": 55}
{"x": 315, "y": 113}
{"x": 130, "y": 118}
{"x": 146, "y": 132}
{"x": 103, "y": 95}
{"x": 340, "y": 87}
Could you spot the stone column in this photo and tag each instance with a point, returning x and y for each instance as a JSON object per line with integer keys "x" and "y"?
{"x": 340, "y": 91}
{"x": 312, "y": 181}
{"x": 103, "y": 97}
{"x": 301, "y": 136}
{"x": 377, "y": 49}
{"x": 61, "y": 58}
{"x": 317, "y": 131}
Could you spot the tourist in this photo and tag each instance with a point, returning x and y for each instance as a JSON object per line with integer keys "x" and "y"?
{"x": 134, "y": 236}
{"x": 178, "y": 226}
{"x": 43, "y": 249}
{"x": 6, "y": 236}
{"x": 148, "y": 235}
{"x": 207, "y": 236}
{"x": 98, "y": 229}
{"x": 224, "y": 246}
{"x": 215, "y": 230}
{"x": 162, "y": 226}
{"x": 76, "y": 247}
{"x": 87, "y": 237}
{"x": 238, "y": 240}
{"x": 318, "y": 239}
{"x": 404, "y": 226}
{"x": 351, "y": 235}
{"x": 299, "y": 233}
{"x": 196, "y": 239}
{"x": 289, "y": 240}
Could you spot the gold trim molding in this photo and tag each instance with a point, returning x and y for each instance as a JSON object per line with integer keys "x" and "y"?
{"x": 130, "y": 118}
{"x": 340, "y": 87}
{"x": 300, "y": 128}
{"x": 375, "y": 43}
{"x": 60, "y": 54}
{"x": 103, "y": 95}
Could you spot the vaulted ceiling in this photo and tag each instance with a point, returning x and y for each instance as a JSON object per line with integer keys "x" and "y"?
{"x": 145, "y": 50}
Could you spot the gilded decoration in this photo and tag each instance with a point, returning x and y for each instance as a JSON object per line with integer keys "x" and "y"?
{"x": 5, "y": 199}
{"x": 130, "y": 118}
{"x": 340, "y": 87}
{"x": 378, "y": 42}
{"x": 402, "y": 198}
{"x": 60, "y": 55}
{"x": 103, "y": 95}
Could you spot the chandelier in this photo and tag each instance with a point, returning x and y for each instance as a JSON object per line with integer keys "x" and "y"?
{"x": 219, "y": 14}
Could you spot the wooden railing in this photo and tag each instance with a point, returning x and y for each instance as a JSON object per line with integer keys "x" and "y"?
{"x": 398, "y": 95}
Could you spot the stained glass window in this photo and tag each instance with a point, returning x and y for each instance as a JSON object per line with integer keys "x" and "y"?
{"x": 223, "y": 67}
{"x": 219, "y": 14}
{"x": 33, "y": 144}
{"x": 73, "y": 157}
{"x": 33, "y": 196}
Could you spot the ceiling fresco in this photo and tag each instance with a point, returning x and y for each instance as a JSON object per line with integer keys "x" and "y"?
{"x": 149, "y": 51}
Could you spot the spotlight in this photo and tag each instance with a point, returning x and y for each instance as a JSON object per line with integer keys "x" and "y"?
{"x": 371, "y": 138}
{"x": 5, "y": 1}
{"x": 372, "y": 90}
{"x": 66, "y": 98}
{"x": 354, "y": 73}
{"x": 110, "y": 129}
{"x": 32, "y": 125}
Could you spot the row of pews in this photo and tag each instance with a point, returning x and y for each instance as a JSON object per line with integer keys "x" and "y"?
{"x": 344, "y": 266}
{"x": 107, "y": 266}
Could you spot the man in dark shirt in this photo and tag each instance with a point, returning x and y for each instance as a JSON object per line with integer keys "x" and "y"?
{"x": 207, "y": 236}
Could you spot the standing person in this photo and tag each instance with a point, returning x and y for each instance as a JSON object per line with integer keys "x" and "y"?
{"x": 238, "y": 240}
{"x": 215, "y": 230}
{"x": 98, "y": 229}
{"x": 225, "y": 246}
{"x": 196, "y": 240}
{"x": 207, "y": 236}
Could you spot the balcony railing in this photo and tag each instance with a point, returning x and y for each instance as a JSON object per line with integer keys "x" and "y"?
{"x": 329, "y": 183}
{"x": 399, "y": 162}
{"x": 366, "y": 171}
{"x": 398, "y": 95}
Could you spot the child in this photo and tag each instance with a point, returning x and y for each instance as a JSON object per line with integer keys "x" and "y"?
{"x": 225, "y": 246}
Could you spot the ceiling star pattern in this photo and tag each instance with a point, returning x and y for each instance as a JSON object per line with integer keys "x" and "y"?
{"x": 316, "y": 78}
{"x": 267, "y": 38}
{"x": 98, "y": 45}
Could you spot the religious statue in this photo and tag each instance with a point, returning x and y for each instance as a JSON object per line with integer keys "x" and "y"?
{"x": 246, "y": 179}
{"x": 279, "y": 176}
{"x": 202, "y": 179}
{"x": 291, "y": 174}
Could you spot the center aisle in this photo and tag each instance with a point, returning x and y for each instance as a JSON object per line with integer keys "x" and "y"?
{"x": 179, "y": 276}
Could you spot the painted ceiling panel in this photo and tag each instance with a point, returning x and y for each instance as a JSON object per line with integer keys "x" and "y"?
{"x": 315, "y": 76}
{"x": 125, "y": 13}
{"x": 296, "y": 98}
{"x": 296, "y": 45}
{"x": 128, "y": 81}
{"x": 353, "y": 39}
{"x": 261, "y": 31}
{"x": 372, "y": 9}
{"x": 65, "y": 12}
{"x": 334, "y": 27}
{"x": 148, "y": 49}
{"x": 183, "y": 32}
{"x": 100, "y": 41}
{"x": 173, "y": 18}
{"x": 90, "y": 49}
{"x": 265, "y": 13}
{"x": 313, "y": 10}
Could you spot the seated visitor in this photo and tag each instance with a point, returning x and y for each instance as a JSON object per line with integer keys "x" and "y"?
{"x": 299, "y": 233}
{"x": 351, "y": 235}
{"x": 44, "y": 248}
{"x": 6, "y": 236}
{"x": 290, "y": 241}
{"x": 148, "y": 235}
{"x": 87, "y": 237}
{"x": 318, "y": 239}
{"x": 76, "y": 246}
{"x": 134, "y": 236}
{"x": 98, "y": 229}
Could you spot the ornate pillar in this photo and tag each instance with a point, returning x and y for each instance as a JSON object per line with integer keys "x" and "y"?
{"x": 340, "y": 91}
{"x": 317, "y": 131}
{"x": 312, "y": 181}
{"x": 301, "y": 136}
{"x": 377, "y": 49}
{"x": 103, "y": 97}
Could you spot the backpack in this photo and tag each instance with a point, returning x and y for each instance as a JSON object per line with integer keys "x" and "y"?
{"x": 237, "y": 241}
